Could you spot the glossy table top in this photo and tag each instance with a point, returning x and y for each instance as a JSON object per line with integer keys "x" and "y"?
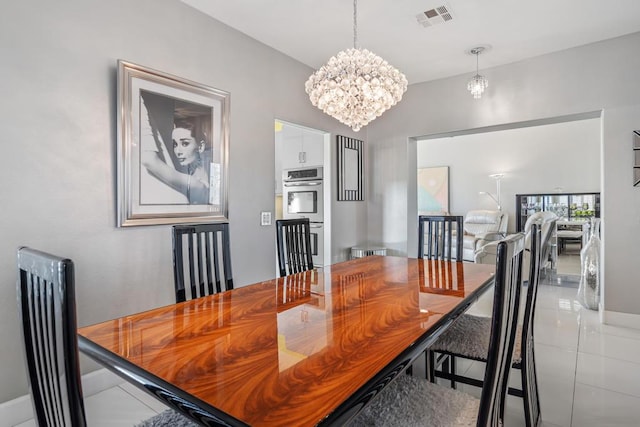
{"x": 289, "y": 351}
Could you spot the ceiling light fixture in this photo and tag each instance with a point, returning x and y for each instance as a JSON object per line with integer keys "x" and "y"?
{"x": 477, "y": 84}
{"x": 356, "y": 86}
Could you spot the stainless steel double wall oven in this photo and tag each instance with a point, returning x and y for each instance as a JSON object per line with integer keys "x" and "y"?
{"x": 302, "y": 197}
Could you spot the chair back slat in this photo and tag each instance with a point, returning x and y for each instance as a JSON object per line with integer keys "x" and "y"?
{"x": 216, "y": 265}
{"x": 529, "y": 378}
{"x": 193, "y": 278}
{"x": 503, "y": 330}
{"x": 207, "y": 260}
{"x": 46, "y": 301}
{"x": 293, "y": 238}
{"x": 436, "y": 233}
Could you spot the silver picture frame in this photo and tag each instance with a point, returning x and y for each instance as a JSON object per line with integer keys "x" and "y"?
{"x": 172, "y": 149}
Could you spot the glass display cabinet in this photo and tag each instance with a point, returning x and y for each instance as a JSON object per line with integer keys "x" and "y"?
{"x": 568, "y": 206}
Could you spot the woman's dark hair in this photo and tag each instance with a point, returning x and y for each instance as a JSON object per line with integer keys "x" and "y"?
{"x": 195, "y": 126}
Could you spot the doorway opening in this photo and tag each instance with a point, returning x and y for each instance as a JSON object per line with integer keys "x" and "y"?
{"x": 303, "y": 182}
{"x": 551, "y": 156}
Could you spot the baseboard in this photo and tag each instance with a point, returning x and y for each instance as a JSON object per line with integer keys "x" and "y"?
{"x": 625, "y": 320}
{"x": 16, "y": 411}
{"x": 19, "y": 410}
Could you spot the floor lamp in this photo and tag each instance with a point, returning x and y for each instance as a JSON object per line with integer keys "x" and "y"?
{"x": 496, "y": 198}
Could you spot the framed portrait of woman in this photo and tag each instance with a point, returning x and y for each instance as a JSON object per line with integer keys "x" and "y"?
{"x": 173, "y": 145}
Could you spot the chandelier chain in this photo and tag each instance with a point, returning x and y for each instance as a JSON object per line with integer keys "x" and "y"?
{"x": 355, "y": 24}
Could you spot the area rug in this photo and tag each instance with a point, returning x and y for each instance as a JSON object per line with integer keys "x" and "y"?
{"x": 168, "y": 418}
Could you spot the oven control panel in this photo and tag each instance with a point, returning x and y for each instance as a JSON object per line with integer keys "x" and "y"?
{"x": 302, "y": 174}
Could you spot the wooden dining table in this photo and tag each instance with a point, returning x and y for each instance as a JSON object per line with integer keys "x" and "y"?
{"x": 307, "y": 349}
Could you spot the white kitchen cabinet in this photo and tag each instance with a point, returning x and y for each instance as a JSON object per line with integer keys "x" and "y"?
{"x": 302, "y": 150}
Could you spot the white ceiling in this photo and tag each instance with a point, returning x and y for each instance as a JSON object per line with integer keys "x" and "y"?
{"x": 311, "y": 31}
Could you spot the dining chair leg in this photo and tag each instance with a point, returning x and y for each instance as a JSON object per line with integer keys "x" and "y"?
{"x": 452, "y": 369}
{"x": 430, "y": 367}
{"x": 447, "y": 364}
{"x": 443, "y": 361}
{"x": 434, "y": 361}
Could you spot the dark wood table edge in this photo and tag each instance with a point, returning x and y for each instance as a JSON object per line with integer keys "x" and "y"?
{"x": 354, "y": 404}
{"x": 188, "y": 405}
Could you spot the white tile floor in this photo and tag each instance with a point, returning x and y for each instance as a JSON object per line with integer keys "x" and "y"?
{"x": 588, "y": 373}
{"x": 120, "y": 406}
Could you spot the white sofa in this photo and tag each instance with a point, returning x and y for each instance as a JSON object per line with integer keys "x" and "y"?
{"x": 547, "y": 221}
{"x": 480, "y": 228}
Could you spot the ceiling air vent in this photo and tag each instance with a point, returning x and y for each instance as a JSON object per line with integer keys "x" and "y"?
{"x": 437, "y": 15}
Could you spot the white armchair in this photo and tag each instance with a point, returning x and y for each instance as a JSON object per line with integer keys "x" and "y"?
{"x": 547, "y": 221}
{"x": 480, "y": 228}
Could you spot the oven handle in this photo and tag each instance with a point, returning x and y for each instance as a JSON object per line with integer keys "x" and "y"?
{"x": 312, "y": 225}
{"x": 302, "y": 184}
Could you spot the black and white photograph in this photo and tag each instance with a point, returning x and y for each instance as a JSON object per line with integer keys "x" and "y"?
{"x": 172, "y": 150}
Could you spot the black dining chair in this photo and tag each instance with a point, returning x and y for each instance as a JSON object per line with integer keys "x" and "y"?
{"x": 436, "y": 241}
{"x": 410, "y": 400}
{"x": 46, "y": 301}
{"x": 201, "y": 260}
{"x": 295, "y": 254}
{"x": 436, "y": 237}
{"x": 47, "y": 307}
{"x": 468, "y": 338}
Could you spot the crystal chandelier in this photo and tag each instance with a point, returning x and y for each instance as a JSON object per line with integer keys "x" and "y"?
{"x": 477, "y": 84}
{"x": 356, "y": 85}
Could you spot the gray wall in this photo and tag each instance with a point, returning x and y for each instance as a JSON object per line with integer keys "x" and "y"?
{"x": 600, "y": 76}
{"x": 535, "y": 159}
{"x": 58, "y": 109}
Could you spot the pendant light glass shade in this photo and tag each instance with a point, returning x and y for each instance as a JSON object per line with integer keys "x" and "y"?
{"x": 477, "y": 84}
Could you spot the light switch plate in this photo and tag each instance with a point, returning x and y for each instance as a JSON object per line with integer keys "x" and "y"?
{"x": 265, "y": 218}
